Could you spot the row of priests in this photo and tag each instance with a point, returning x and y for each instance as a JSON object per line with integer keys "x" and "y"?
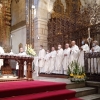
{"x": 58, "y": 61}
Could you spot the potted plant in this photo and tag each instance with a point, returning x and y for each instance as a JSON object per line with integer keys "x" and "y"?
{"x": 76, "y": 72}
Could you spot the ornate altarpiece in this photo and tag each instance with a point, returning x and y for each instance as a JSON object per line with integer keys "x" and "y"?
{"x": 5, "y": 22}
{"x": 70, "y": 24}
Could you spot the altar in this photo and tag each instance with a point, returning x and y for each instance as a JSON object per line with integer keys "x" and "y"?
{"x": 7, "y": 70}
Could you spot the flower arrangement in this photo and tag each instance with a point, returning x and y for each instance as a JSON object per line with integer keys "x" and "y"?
{"x": 30, "y": 51}
{"x": 76, "y": 72}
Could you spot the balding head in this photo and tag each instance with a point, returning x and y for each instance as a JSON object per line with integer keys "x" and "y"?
{"x": 53, "y": 48}
{"x": 96, "y": 42}
{"x": 66, "y": 45}
{"x": 59, "y": 46}
{"x": 21, "y": 50}
{"x": 73, "y": 43}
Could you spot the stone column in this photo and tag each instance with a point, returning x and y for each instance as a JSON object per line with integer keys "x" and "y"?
{"x": 40, "y": 33}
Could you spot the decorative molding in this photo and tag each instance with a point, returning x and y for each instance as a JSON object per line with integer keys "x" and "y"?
{"x": 18, "y": 25}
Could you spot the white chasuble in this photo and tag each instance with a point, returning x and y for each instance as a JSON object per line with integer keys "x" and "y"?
{"x": 52, "y": 61}
{"x": 59, "y": 58}
{"x": 85, "y": 49}
{"x": 47, "y": 63}
{"x": 41, "y": 58}
{"x": 74, "y": 54}
{"x": 65, "y": 62}
{"x": 95, "y": 63}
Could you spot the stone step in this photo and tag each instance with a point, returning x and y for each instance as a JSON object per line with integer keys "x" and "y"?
{"x": 69, "y": 84}
{"x": 94, "y": 84}
{"x": 91, "y": 97}
{"x": 84, "y": 91}
{"x": 75, "y": 85}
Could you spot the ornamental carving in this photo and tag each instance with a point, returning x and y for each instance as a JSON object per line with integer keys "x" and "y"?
{"x": 5, "y": 22}
{"x": 72, "y": 24}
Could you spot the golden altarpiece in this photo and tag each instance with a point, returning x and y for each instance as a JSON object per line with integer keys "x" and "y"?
{"x": 5, "y": 28}
{"x": 5, "y": 23}
{"x": 71, "y": 23}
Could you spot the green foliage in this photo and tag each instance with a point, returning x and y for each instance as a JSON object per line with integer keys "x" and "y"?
{"x": 76, "y": 72}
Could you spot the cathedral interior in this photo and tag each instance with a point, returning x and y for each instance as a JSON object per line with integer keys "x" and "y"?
{"x": 41, "y": 25}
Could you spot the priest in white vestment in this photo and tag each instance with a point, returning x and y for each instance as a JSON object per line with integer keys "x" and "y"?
{"x": 1, "y": 60}
{"x": 58, "y": 62}
{"x": 47, "y": 62}
{"x": 52, "y": 60}
{"x": 74, "y": 52}
{"x": 66, "y": 55}
{"x": 95, "y": 47}
{"x": 41, "y": 58}
{"x": 95, "y": 62}
{"x": 22, "y": 53}
{"x": 83, "y": 49}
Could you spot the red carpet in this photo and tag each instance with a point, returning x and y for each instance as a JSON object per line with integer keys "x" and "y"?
{"x": 35, "y": 90}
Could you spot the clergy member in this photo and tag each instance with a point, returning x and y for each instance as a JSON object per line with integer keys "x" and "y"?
{"x": 21, "y": 53}
{"x": 95, "y": 47}
{"x": 83, "y": 49}
{"x": 47, "y": 62}
{"x": 74, "y": 52}
{"x": 95, "y": 62}
{"x": 1, "y": 52}
{"x": 59, "y": 58}
{"x": 41, "y": 58}
{"x": 66, "y": 55}
{"x": 52, "y": 60}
